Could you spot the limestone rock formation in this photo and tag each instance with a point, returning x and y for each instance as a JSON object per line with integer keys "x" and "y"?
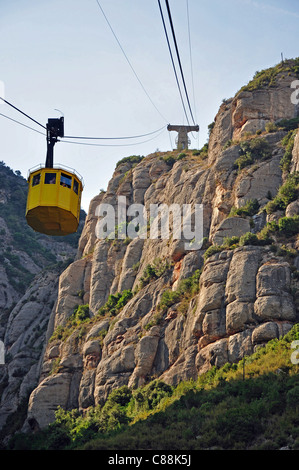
{"x": 129, "y": 310}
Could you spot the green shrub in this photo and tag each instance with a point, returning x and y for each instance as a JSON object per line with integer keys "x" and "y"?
{"x": 213, "y": 250}
{"x": 190, "y": 284}
{"x": 288, "y": 143}
{"x": 211, "y": 127}
{"x": 288, "y": 253}
{"x": 187, "y": 288}
{"x": 148, "y": 274}
{"x": 172, "y": 158}
{"x": 79, "y": 316}
{"x": 249, "y": 209}
{"x": 132, "y": 159}
{"x": 253, "y": 150}
{"x": 169, "y": 159}
{"x": 150, "y": 396}
{"x": 168, "y": 298}
{"x": 156, "y": 320}
{"x": 250, "y": 238}
{"x": 292, "y": 397}
{"x": 289, "y": 225}
{"x": 244, "y": 160}
{"x": 271, "y": 127}
{"x": 154, "y": 271}
{"x": 81, "y": 313}
{"x": 287, "y": 193}
{"x": 120, "y": 396}
{"x": 270, "y": 228}
{"x": 286, "y": 226}
{"x": 116, "y": 302}
{"x": 288, "y": 124}
{"x": 231, "y": 241}
{"x": 267, "y": 77}
{"x": 203, "y": 152}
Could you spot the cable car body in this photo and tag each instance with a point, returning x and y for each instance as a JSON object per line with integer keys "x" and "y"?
{"x": 54, "y": 200}
{"x": 54, "y": 193}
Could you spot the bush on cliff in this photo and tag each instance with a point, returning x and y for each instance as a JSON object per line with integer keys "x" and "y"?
{"x": 253, "y": 150}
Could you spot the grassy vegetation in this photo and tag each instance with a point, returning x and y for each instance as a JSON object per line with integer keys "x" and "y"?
{"x": 154, "y": 271}
{"x": 115, "y": 303}
{"x": 253, "y": 405}
{"x": 249, "y": 209}
{"x": 79, "y": 318}
{"x": 186, "y": 289}
{"x": 267, "y": 77}
{"x": 288, "y": 143}
{"x": 132, "y": 159}
{"x": 182, "y": 296}
{"x": 289, "y": 125}
{"x": 172, "y": 158}
{"x": 285, "y": 228}
{"x": 286, "y": 194}
{"x": 257, "y": 149}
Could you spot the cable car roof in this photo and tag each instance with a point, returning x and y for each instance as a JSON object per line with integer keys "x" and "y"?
{"x": 56, "y": 167}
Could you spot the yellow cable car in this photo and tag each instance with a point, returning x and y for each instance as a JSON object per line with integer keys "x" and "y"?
{"x": 54, "y": 200}
{"x": 54, "y": 193}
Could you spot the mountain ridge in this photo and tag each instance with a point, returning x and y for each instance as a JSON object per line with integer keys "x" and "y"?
{"x": 129, "y": 311}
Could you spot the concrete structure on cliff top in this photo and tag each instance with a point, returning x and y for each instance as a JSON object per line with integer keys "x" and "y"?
{"x": 182, "y": 140}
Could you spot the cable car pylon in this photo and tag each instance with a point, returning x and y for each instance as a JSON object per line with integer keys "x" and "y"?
{"x": 182, "y": 140}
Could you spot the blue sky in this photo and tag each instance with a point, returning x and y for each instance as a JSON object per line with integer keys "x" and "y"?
{"x": 62, "y": 55}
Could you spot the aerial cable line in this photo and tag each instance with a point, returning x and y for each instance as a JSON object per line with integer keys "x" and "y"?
{"x": 127, "y": 59}
{"x": 72, "y": 137}
{"x": 22, "y": 112}
{"x": 84, "y": 143}
{"x": 178, "y": 56}
{"x": 18, "y": 122}
{"x": 190, "y": 53}
{"x": 114, "y": 138}
{"x": 113, "y": 145}
{"x": 172, "y": 60}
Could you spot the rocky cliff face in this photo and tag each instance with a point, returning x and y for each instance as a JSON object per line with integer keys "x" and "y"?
{"x": 30, "y": 265}
{"x": 184, "y": 311}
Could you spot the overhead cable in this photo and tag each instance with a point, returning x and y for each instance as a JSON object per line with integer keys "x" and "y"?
{"x": 114, "y": 138}
{"x": 73, "y": 137}
{"x": 172, "y": 60}
{"x": 112, "y": 145}
{"x": 178, "y": 56}
{"x": 190, "y": 54}
{"x": 24, "y": 125}
{"x": 127, "y": 59}
{"x": 22, "y": 112}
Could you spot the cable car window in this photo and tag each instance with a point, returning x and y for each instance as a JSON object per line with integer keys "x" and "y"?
{"x": 65, "y": 181}
{"x": 36, "y": 180}
{"x": 76, "y": 186}
{"x": 50, "y": 178}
